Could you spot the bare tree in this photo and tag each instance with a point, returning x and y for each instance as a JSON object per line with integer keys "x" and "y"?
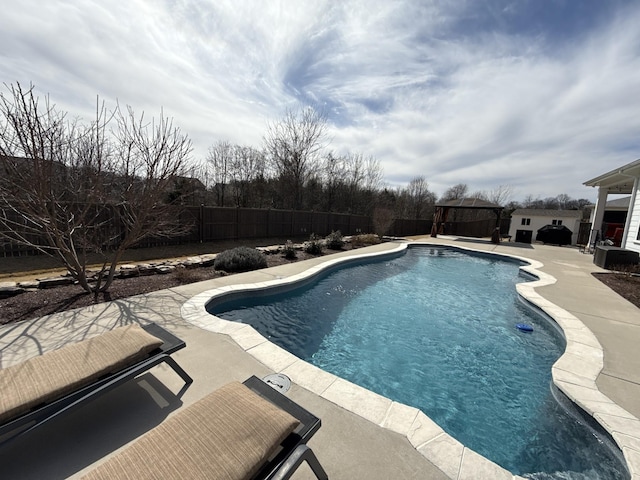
{"x": 334, "y": 174}
{"x": 500, "y": 195}
{"x": 293, "y": 145}
{"x": 480, "y": 195}
{"x": 563, "y": 201}
{"x": 459, "y": 190}
{"x": 354, "y": 180}
{"x": 363, "y": 180}
{"x": 530, "y": 201}
{"x": 219, "y": 160}
{"x": 372, "y": 174}
{"x": 551, "y": 203}
{"x": 247, "y": 165}
{"x": 80, "y": 191}
{"x": 419, "y": 197}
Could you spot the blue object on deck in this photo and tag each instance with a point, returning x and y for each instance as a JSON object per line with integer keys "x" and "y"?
{"x": 524, "y": 327}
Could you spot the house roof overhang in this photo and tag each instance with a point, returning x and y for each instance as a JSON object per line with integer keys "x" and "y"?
{"x": 619, "y": 180}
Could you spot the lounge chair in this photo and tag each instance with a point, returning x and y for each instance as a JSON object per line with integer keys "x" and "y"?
{"x": 44, "y": 387}
{"x": 240, "y": 431}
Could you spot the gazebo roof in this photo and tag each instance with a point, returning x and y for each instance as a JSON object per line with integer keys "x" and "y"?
{"x": 469, "y": 203}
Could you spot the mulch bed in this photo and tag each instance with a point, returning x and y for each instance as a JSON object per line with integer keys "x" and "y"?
{"x": 625, "y": 285}
{"x": 37, "y": 303}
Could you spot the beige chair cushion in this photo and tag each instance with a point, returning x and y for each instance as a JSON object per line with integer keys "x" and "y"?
{"x": 50, "y": 376}
{"x": 229, "y": 434}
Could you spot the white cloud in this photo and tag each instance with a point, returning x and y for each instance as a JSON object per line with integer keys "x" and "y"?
{"x": 454, "y": 92}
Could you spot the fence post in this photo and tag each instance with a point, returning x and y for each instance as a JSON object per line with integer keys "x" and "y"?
{"x": 237, "y": 225}
{"x": 268, "y": 230}
{"x": 201, "y": 223}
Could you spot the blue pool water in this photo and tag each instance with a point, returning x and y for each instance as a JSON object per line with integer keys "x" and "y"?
{"x": 435, "y": 329}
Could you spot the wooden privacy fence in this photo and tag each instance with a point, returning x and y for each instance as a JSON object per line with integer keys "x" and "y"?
{"x": 207, "y": 224}
{"x": 223, "y": 223}
{"x": 217, "y": 223}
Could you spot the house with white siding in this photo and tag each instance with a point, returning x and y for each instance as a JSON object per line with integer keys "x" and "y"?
{"x": 525, "y": 223}
{"x": 623, "y": 180}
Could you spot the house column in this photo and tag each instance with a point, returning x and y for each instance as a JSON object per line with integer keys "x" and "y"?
{"x": 598, "y": 213}
{"x": 632, "y": 202}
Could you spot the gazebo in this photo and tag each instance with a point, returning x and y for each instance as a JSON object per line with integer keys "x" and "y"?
{"x": 442, "y": 210}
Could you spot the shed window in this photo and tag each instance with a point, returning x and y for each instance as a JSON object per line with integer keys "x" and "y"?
{"x": 526, "y": 221}
{"x": 556, "y": 222}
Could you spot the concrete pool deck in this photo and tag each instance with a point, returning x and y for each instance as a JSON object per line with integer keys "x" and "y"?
{"x": 363, "y": 435}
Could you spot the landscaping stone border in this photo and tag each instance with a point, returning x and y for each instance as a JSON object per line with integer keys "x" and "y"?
{"x": 128, "y": 270}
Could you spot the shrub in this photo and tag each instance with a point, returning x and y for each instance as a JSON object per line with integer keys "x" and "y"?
{"x": 364, "y": 240}
{"x": 240, "y": 259}
{"x": 382, "y": 221}
{"x": 314, "y": 245}
{"x": 334, "y": 241}
{"x": 288, "y": 251}
{"x": 185, "y": 275}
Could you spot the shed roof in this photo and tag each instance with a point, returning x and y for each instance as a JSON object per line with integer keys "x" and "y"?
{"x": 541, "y": 212}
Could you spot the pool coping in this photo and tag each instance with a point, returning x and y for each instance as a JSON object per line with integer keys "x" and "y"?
{"x": 574, "y": 373}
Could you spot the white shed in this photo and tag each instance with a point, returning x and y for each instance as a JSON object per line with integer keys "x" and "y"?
{"x": 525, "y": 223}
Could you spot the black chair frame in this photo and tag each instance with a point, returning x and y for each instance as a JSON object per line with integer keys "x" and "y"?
{"x": 41, "y": 414}
{"x": 294, "y": 450}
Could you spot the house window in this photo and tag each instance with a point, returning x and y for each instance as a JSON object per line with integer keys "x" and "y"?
{"x": 556, "y": 222}
{"x": 526, "y": 221}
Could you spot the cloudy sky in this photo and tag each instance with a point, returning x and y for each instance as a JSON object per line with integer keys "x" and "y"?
{"x": 541, "y": 95}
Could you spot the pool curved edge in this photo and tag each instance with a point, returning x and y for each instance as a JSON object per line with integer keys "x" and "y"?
{"x": 574, "y": 373}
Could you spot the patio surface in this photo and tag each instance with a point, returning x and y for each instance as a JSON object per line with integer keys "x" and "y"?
{"x": 352, "y": 442}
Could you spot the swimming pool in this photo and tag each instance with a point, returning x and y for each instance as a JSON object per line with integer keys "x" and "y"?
{"x": 458, "y": 315}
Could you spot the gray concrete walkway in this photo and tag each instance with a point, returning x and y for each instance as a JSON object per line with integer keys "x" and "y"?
{"x": 348, "y": 445}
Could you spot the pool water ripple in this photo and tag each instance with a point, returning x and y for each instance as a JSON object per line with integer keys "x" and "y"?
{"x": 435, "y": 329}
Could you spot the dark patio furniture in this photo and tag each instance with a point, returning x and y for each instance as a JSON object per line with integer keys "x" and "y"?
{"x": 554, "y": 234}
{"x": 610, "y": 257}
{"x": 239, "y": 431}
{"x": 294, "y": 447}
{"x": 52, "y": 402}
